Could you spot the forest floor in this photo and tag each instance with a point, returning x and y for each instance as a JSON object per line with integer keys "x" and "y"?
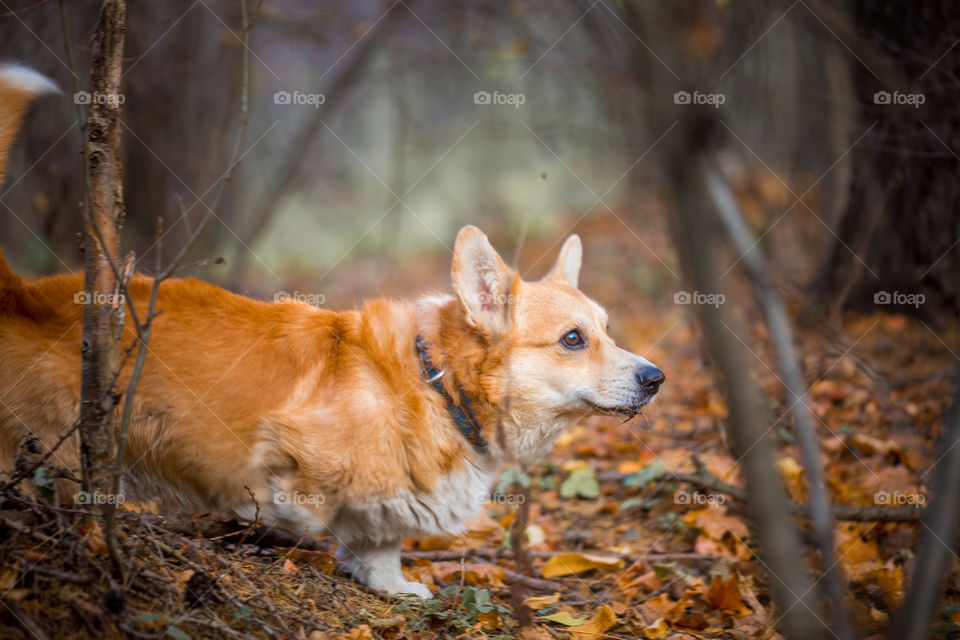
{"x": 619, "y": 547}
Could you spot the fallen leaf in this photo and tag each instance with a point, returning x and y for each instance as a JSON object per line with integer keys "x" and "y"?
{"x": 602, "y": 620}
{"x": 580, "y": 483}
{"x": 475, "y": 574}
{"x": 725, "y": 596}
{"x": 289, "y": 567}
{"x": 791, "y": 474}
{"x": 8, "y": 579}
{"x": 542, "y": 602}
{"x": 565, "y": 618}
{"x": 569, "y": 563}
{"x": 659, "y": 629}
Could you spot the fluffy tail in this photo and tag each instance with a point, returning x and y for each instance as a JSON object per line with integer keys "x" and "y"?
{"x": 18, "y": 86}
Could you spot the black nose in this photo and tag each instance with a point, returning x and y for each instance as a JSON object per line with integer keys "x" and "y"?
{"x": 650, "y": 378}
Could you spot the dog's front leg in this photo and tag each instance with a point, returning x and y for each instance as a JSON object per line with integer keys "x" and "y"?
{"x": 378, "y": 567}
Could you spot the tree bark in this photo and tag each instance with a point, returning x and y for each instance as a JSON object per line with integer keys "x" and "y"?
{"x": 900, "y": 230}
{"x": 103, "y": 306}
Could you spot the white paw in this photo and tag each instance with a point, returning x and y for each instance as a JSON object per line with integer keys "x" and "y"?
{"x": 413, "y": 588}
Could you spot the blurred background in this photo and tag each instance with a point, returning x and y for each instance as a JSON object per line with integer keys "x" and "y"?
{"x": 376, "y": 129}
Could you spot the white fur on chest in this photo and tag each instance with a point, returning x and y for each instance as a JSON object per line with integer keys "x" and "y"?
{"x": 457, "y": 498}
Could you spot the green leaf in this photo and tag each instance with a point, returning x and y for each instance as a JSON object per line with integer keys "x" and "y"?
{"x": 511, "y": 476}
{"x": 546, "y": 483}
{"x": 176, "y": 633}
{"x": 477, "y": 600}
{"x": 786, "y": 436}
{"x": 582, "y": 483}
{"x": 150, "y": 618}
{"x": 633, "y": 503}
{"x": 647, "y": 475}
{"x": 41, "y": 478}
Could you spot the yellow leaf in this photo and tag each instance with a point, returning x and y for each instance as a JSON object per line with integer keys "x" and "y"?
{"x": 659, "y": 629}
{"x": 572, "y": 465}
{"x": 629, "y": 466}
{"x": 9, "y": 578}
{"x": 568, "y": 563}
{"x": 601, "y": 621}
{"x": 791, "y": 474}
{"x": 565, "y": 618}
{"x": 542, "y": 602}
{"x": 490, "y": 619}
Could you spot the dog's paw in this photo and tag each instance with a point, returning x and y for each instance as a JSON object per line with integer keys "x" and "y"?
{"x": 412, "y": 588}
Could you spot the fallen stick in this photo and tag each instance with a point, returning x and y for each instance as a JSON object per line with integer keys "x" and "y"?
{"x": 849, "y": 513}
{"x": 496, "y": 554}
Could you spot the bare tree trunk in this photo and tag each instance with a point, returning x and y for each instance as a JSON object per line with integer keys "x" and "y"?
{"x": 103, "y": 310}
{"x": 942, "y": 521}
{"x": 750, "y": 440}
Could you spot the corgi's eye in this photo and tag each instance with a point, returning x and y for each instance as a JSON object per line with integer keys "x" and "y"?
{"x": 573, "y": 339}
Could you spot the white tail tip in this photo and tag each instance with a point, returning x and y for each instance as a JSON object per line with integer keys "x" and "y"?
{"x": 17, "y": 76}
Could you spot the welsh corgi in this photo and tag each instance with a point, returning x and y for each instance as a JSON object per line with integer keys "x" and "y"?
{"x": 369, "y": 425}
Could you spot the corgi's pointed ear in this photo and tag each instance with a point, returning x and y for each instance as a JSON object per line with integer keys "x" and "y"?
{"x": 567, "y": 267}
{"x": 483, "y": 282}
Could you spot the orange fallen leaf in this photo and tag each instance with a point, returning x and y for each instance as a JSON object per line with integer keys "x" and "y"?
{"x": 289, "y": 567}
{"x": 569, "y": 563}
{"x": 602, "y": 620}
{"x": 542, "y": 602}
{"x": 658, "y": 629}
{"x": 474, "y": 574}
{"x": 725, "y": 596}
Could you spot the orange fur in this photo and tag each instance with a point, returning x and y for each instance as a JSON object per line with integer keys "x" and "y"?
{"x": 244, "y": 398}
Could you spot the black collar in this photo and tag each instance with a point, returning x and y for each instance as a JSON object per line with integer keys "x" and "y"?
{"x": 464, "y": 417}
